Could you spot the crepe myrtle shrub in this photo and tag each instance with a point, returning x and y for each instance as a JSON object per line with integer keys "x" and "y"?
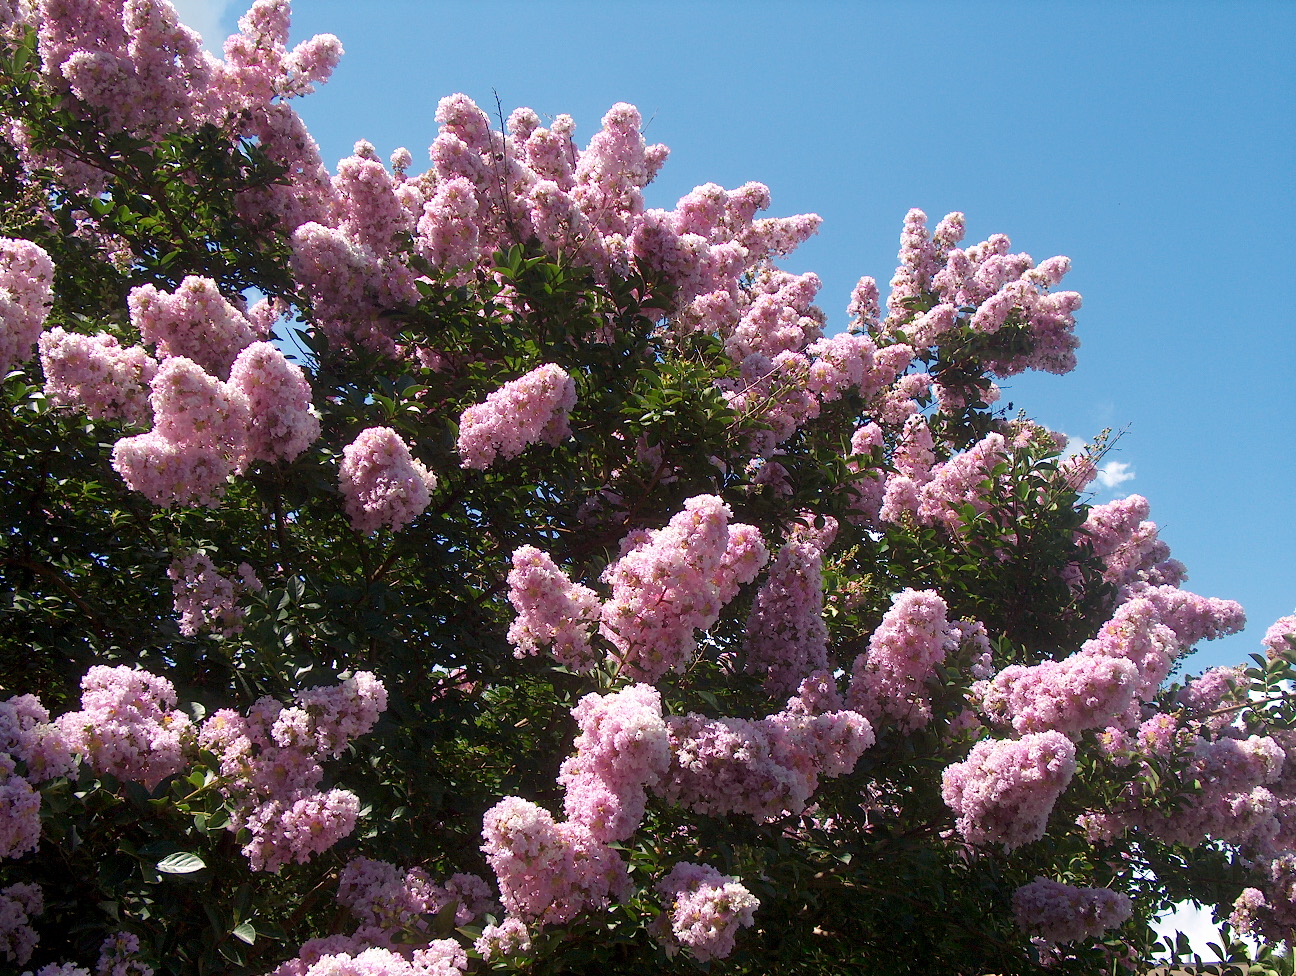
{"x": 477, "y": 570}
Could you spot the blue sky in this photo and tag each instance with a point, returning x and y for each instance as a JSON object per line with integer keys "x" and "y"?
{"x": 1153, "y": 143}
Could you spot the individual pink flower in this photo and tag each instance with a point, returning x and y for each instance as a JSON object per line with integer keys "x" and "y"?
{"x": 532, "y": 409}
{"x": 381, "y": 482}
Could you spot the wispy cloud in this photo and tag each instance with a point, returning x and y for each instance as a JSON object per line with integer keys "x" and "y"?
{"x": 208, "y": 18}
{"x": 1113, "y": 474}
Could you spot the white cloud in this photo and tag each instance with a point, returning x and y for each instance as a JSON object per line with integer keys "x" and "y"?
{"x": 1114, "y": 473}
{"x": 208, "y": 18}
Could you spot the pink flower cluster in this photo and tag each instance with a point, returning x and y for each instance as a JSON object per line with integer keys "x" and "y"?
{"x": 1082, "y": 691}
{"x": 706, "y": 909}
{"x": 128, "y": 725}
{"x": 26, "y": 736}
{"x": 509, "y": 938}
{"x": 194, "y": 321}
{"x": 350, "y": 282}
{"x": 621, "y": 751}
{"x": 1005, "y": 790}
{"x": 381, "y": 482}
{"x": 780, "y": 394}
{"x": 549, "y": 872}
{"x": 786, "y": 636}
{"x": 1122, "y": 537}
{"x": 26, "y": 287}
{"x": 889, "y": 681}
{"x": 1057, "y": 912}
{"x": 552, "y": 611}
{"x": 197, "y": 442}
{"x": 206, "y": 600}
{"x": 982, "y": 288}
{"x": 132, "y": 66}
{"x": 532, "y": 409}
{"x": 206, "y": 430}
{"x": 765, "y": 768}
{"x": 95, "y": 374}
{"x": 383, "y": 898}
{"x": 20, "y": 825}
{"x": 443, "y": 957}
{"x": 674, "y": 581}
{"x": 1244, "y": 793}
{"x": 269, "y": 764}
{"x": 18, "y": 903}
{"x": 1280, "y": 639}
{"x": 281, "y": 424}
{"x": 119, "y": 955}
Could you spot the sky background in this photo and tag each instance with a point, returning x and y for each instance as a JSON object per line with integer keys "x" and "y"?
{"x": 1154, "y": 143}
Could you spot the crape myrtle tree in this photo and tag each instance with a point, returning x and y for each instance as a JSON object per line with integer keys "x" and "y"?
{"x": 472, "y": 570}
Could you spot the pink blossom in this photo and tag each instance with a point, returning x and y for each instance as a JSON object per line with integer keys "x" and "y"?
{"x": 889, "y": 681}
{"x": 284, "y": 831}
{"x": 668, "y": 587}
{"x": 448, "y": 231}
{"x": 548, "y": 872}
{"x": 552, "y": 611}
{"x": 764, "y": 768}
{"x": 706, "y": 909}
{"x": 204, "y": 599}
{"x": 1005, "y": 789}
{"x": 1059, "y": 912}
{"x": 95, "y": 374}
{"x": 18, "y": 903}
{"x": 509, "y": 938}
{"x": 194, "y": 321}
{"x": 381, "y": 482}
{"x": 26, "y": 286}
{"x": 786, "y": 637}
{"x": 20, "y": 825}
{"x": 128, "y": 725}
{"x": 1280, "y": 638}
{"x": 281, "y": 423}
{"x": 529, "y": 410}
{"x": 28, "y": 736}
{"x": 622, "y": 750}
{"x": 1083, "y": 691}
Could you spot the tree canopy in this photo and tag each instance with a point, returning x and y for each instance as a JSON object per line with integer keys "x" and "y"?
{"x": 476, "y": 570}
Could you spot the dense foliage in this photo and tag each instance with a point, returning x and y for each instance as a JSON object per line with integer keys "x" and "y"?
{"x": 475, "y": 570}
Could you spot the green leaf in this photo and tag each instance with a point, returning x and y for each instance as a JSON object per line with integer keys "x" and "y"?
{"x": 181, "y": 862}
